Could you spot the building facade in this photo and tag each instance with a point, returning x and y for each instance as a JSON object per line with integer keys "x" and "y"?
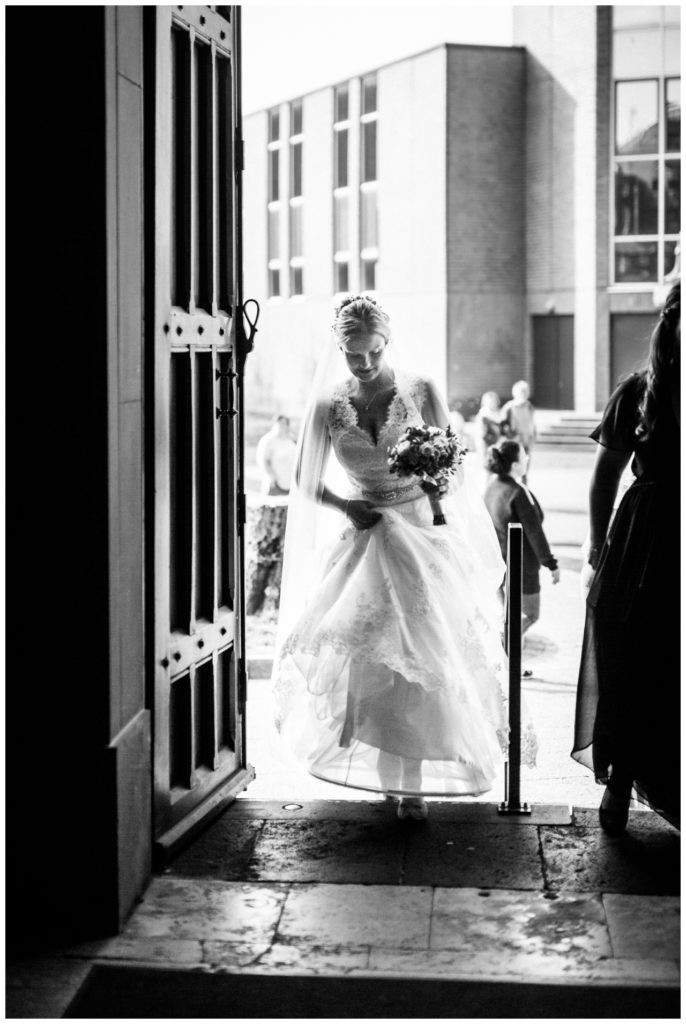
{"x": 515, "y": 209}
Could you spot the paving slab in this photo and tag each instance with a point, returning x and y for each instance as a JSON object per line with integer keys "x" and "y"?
{"x": 352, "y": 915}
{"x": 368, "y": 852}
{"x": 640, "y": 820}
{"x": 223, "y": 851}
{"x": 485, "y": 856}
{"x": 529, "y": 967}
{"x": 185, "y": 908}
{"x": 380, "y": 809}
{"x": 587, "y": 860}
{"x": 506, "y": 922}
{"x": 303, "y": 958}
{"x": 643, "y": 927}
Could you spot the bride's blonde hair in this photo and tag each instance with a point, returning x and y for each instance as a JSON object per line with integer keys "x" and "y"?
{"x": 358, "y": 313}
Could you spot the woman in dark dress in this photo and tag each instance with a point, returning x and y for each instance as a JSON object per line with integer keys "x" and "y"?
{"x": 509, "y": 501}
{"x": 627, "y": 712}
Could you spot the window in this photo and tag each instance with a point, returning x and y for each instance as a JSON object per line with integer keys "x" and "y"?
{"x": 296, "y": 169}
{"x": 341, "y": 103}
{"x": 369, "y": 241}
{"x": 341, "y": 189}
{"x": 274, "y": 205}
{"x": 369, "y": 94}
{"x": 340, "y": 164}
{"x": 296, "y": 252}
{"x": 647, "y": 144}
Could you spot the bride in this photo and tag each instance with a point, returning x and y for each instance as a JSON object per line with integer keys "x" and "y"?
{"x": 389, "y": 665}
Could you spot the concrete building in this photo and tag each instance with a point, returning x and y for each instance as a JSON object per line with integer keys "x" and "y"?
{"x": 515, "y": 209}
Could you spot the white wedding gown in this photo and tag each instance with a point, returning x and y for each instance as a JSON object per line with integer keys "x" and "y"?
{"x": 392, "y": 677}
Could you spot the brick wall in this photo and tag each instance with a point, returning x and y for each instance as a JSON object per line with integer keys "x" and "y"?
{"x": 485, "y": 220}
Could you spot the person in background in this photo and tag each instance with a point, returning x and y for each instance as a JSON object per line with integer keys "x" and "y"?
{"x": 508, "y": 500}
{"x": 275, "y": 455}
{"x": 627, "y": 727}
{"x": 487, "y": 424}
{"x": 518, "y": 419}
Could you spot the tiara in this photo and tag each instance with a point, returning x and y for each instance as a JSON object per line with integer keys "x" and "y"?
{"x": 348, "y": 300}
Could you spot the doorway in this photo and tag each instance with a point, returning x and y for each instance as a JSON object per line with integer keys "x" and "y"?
{"x": 553, "y": 362}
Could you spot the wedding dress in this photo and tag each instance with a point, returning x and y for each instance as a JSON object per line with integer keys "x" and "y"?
{"x": 390, "y": 674}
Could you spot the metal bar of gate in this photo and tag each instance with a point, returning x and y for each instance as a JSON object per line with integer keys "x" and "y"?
{"x": 513, "y": 641}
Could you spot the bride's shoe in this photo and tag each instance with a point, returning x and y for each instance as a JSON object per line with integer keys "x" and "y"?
{"x": 414, "y": 807}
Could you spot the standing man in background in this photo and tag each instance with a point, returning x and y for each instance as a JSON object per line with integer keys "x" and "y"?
{"x": 275, "y": 455}
{"x": 518, "y": 419}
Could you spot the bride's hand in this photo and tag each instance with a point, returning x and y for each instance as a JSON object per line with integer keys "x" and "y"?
{"x": 361, "y": 513}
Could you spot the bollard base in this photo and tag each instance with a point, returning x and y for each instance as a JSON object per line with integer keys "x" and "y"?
{"x": 514, "y": 808}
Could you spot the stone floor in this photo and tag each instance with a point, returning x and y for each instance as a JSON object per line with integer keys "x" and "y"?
{"x": 343, "y": 889}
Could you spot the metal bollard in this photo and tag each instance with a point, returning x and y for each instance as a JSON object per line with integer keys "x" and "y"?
{"x": 513, "y": 641}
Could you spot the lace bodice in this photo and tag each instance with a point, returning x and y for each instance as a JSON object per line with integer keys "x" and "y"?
{"x": 365, "y": 462}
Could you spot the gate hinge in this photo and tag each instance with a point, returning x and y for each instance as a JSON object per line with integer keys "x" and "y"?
{"x": 240, "y": 152}
{"x": 242, "y": 681}
{"x": 241, "y": 508}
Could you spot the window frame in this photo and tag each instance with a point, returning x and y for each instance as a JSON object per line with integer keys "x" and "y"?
{"x": 661, "y": 156}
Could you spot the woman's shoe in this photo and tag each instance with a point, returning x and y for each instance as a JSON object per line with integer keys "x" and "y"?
{"x": 413, "y": 807}
{"x": 613, "y": 813}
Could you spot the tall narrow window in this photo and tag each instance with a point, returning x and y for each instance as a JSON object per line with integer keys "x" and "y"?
{"x": 341, "y": 190}
{"x": 296, "y": 251}
{"x": 274, "y": 205}
{"x": 369, "y": 242}
{"x": 647, "y": 145}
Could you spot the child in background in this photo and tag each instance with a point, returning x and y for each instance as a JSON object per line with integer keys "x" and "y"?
{"x": 509, "y": 501}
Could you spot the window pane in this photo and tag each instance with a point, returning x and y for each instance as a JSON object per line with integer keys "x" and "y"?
{"x": 273, "y": 252}
{"x": 369, "y": 94}
{"x": 625, "y": 15}
{"x": 636, "y": 198}
{"x": 672, "y": 197}
{"x": 670, "y": 256}
{"x": 368, "y": 275}
{"x": 341, "y": 158}
{"x": 369, "y": 151}
{"x": 637, "y": 54}
{"x": 274, "y": 284}
{"x": 672, "y": 57}
{"x": 296, "y": 117}
{"x": 673, "y": 114}
{"x": 368, "y": 232}
{"x": 274, "y": 125}
{"x": 273, "y": 175}
{"x": 635, "y": 261}
{"x": 672, "y": 14}
{"x": 296, "y": 280}
{"x": 296, "y": 231}
{"x": 340, "y": 224}
{"x": 296, "y": 169}
{"x": 341, "y": 103}
{"x": 341, "y": 277}
{"x": 636, "y": 117}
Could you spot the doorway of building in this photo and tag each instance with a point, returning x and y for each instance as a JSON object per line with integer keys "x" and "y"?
{"x": 194, "y": 373}
{"x": 553, "y": 338}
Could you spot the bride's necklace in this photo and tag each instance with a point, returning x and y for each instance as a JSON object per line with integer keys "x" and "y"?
{"x": 377, "y": 392}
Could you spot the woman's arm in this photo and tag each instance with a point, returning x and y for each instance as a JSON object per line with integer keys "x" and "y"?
{"x": 310, "y": 468}
{"x": 528, "y": 517}
{"x": 607, "y": 472}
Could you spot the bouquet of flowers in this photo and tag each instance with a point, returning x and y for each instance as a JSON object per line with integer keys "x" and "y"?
{"x": 432, "y": 454}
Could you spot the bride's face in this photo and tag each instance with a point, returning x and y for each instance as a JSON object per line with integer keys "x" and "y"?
{"x": 365, "y": 355}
